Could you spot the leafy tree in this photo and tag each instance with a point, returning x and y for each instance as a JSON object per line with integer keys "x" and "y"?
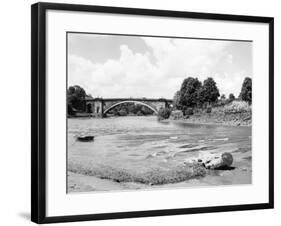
{"x": 188, "y": 111}
{"x": 231, "y": 97}
{"x": 200, "y": 97}
{"x": 139, "y": 113}
{"x": 122, "y": 112}
{"x": 222, "y": 97}
{"x": 146, "y": 111}
{"x": 209, "y": 92}
{"x": 176, "y": 100}
{"x": 189, "y": 92}
{"x": 246, "y": 90}
{"x": 76, "y": 98}
{"x": 130, "y": 108}
{"x": 70, "y": 110}
{"x": 164, "y": 113}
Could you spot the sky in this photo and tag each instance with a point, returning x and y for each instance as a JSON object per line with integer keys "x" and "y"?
{"x": 115, "y": 66}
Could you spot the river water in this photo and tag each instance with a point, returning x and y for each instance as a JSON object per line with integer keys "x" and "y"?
{"x": 140, "y": 144}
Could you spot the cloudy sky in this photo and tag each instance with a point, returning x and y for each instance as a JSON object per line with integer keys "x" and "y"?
{"x": 128, "y": 66}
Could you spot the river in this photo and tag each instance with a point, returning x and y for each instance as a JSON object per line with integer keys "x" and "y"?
{"x": 134, "y": 145}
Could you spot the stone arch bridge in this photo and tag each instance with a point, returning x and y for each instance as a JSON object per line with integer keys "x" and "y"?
{"x": 99, "y": 107}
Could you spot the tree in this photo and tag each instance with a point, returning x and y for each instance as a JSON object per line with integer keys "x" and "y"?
{"x": 76, "y": 98}
{"x": 222, "y": 97}
{"x": 209, "y": 92}
{"x": 246, "y": 90}
{"x": 231, "y": 97}
{"x": 176, "y": 100}
{"x": 122, "y": 112}
{"x": 164, "y": 113}
{"x": 146, "y": 111}
{"x": 189, "y": 92}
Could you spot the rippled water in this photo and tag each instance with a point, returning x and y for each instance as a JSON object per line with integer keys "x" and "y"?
{"x": 140, "y": 144}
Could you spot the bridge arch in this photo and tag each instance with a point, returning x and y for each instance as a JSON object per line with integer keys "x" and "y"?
{"x": 130, "y": 101}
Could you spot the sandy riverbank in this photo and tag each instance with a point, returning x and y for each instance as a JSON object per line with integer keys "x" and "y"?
{"x": 239, "y": 175}
{"x": 82, "y": 183}
{"x": 154, "y": 158}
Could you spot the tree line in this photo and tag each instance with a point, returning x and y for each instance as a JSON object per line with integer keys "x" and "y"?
{"x": 194, "y": 93}
{"x": 75, "y": 99}
{"x": 76, "y": 102}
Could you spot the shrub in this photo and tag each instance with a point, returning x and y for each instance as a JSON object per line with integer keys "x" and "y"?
{"x": 122, "y": 112}
{"x": 176, "y": 114}
{"x": 231, "y": 97}
{"x": 209, "y": 110}
{"x": 164, "y": 113}
{"x": 188, "y": 111}
{"x": 246, "y": 90}
{"x": 70, "y": 110}
{"x": 237, "y": 107}
{"x": 219, "y": 103}
{"x": 197, "y": 111}
{"x": 223, "y": 97}
{"x": 176, "y": 100}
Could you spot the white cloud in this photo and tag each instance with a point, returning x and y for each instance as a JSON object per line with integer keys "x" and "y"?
{"x": 159, "y": 72}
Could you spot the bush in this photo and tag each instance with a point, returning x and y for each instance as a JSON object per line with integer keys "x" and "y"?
{"x": 219, "y": 103}
{"x": 122, "y": 112}
{"x": 209, "y": 110}
{"x": 231, "y": 97}
{"x": 188, "y": 111}
{"x": 164, "y": 113}
{"x": 237, "y": 107}
{"x": 246, "y": 90}
{"x": 70, "y": 110}
{"x": 176, "y": 115}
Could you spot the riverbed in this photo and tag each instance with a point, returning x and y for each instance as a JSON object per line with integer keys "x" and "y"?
{"x": 128, "y": 152}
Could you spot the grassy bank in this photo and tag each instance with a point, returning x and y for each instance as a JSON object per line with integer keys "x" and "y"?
{"x": 155, "y": 176}
{"x": 237, "y": 113}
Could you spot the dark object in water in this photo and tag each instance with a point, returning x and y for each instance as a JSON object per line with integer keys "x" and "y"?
{"x": 85, "y": 138}
{"x": 189, "y": 146}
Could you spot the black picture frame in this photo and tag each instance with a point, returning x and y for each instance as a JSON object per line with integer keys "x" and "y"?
{"x": 38, "y": 111}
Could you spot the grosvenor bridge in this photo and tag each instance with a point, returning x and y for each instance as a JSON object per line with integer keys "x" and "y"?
{"x": 101, "y": 106}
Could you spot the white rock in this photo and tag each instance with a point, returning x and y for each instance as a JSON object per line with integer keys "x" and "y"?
{"x": 217, "y": 161}
{"x": 212, "y": 161}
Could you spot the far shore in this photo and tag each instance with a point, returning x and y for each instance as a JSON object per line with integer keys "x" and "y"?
{"x": 197, "y": 122}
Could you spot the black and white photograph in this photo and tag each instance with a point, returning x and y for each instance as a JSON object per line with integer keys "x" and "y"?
{"x": 145, "y": 112}
{"x": 153, "y": 112}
